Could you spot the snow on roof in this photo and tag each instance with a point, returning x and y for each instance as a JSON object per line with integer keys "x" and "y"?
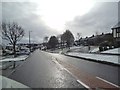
{"x": 117, "y": 25}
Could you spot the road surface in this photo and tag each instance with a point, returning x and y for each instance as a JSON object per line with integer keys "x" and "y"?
{"x": 107, "y": 72}
{"x": 40, "y": 71}
{"x": 48, "y": 70}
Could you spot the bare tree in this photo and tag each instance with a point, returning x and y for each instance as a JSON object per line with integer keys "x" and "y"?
{"x": 45, "y": 39}
{"x": 78, "y": 36}
{"x": 13, "y": 33}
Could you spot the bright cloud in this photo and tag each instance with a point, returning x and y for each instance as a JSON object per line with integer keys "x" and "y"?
{"x": 52, "y": 17}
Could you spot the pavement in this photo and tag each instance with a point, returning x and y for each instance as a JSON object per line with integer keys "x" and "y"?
{"x": 6, "y": 65}
{"x": 49, "y": 70}
{"x": 110, "y": 57}
{"x": 7, "y": 71}
{"x": 101, "y": 58}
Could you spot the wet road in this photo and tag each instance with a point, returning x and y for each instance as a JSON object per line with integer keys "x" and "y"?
{"x": 48, "y": 70}
{"x": 40, "y": 71}
{"x": 107, "y": 72}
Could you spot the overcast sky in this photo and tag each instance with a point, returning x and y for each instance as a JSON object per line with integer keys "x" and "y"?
{"x": 53, "y": 17}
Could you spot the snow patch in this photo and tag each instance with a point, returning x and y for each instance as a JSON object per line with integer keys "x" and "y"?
{"x": 7, "y": 62}
{"x": 112, "y": 51}
{"x": 107, "y": 58}
{"x": 9, "y": 83}
{"x": 95, "y": 50}
{"x": 23, "y": 57}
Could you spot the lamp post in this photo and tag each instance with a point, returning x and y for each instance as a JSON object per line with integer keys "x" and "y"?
{"x": 29, "y": 42}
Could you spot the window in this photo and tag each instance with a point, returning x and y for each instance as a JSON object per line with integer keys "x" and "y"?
{"x": 118, "y": 30}
{"x": 114, "y": 33}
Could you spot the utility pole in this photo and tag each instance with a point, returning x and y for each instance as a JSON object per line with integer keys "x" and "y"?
{"x": 29, "y": 42}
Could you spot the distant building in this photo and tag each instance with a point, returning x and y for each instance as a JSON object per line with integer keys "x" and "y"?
{"x": 116, "y": 33}
{"x": 96, "y": 40}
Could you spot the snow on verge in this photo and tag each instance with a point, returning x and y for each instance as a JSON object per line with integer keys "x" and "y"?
{"x": 107, "y": 58}
{"x": 9, "y": 83}
{"x": 22, "y": 57}
{"x": 4, "y": 63}
{"x": 112, "y": 51}
{"x": 95, "y": 50}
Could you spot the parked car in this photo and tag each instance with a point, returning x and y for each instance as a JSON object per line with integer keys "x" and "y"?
{"x": 23, "y": 52}
{"x": 7, "y": 52}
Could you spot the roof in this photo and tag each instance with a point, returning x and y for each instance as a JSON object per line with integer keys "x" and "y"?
{"x": 117, "y": 25}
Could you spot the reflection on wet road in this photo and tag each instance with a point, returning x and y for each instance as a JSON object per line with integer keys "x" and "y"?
{"x": 107, "y": 72}
{"x": 40, "y": 71}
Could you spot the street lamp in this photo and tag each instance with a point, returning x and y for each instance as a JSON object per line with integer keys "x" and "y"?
{"x": 29, "y": 42}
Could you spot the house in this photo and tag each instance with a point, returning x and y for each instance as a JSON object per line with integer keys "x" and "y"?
{"x": 116, "y": 30}
{"x": 116, "y": 33}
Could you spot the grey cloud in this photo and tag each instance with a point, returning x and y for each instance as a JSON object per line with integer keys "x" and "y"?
{"x": 101, "y": 18}
{"x": 17, "y": 10}
{"x": 38, "y": 29}
{"x": 24, "y": 14}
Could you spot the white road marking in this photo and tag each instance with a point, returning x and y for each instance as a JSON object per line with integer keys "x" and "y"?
{"x": 68, "y": 71}
{"x": 77, "y": 80}
{"x": 54, "y": 60}
{"x": 83, "y": 84}
{"x": 108, "y": 82}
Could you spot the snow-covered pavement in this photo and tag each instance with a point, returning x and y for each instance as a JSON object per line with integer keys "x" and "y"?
{"x": 19, "y": 58}
{"x": 107, "y": 58}
{"x": 7, "y": 62}
{"x": 84, "y": 49}
{"x": 9, "y": 83}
